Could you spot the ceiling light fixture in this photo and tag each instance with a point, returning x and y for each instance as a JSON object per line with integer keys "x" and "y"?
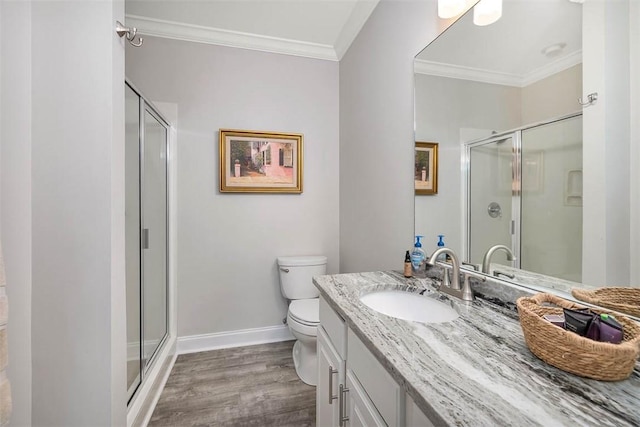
{"x": 450, "y": 8}
{"x": 486, "y": 12}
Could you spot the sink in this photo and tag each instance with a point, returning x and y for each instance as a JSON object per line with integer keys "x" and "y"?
{"x": 409, "y": 306}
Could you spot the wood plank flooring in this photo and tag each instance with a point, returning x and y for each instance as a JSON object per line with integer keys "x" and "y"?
{"x": 244, "y": 386}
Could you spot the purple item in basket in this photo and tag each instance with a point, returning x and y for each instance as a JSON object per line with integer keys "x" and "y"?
{"x": 594, "y": 329}
{"x": 610, "y": 330}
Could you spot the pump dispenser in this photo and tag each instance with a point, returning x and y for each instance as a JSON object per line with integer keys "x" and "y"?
{"x": 441, "y": 245}
{"x": 418, "y": 255}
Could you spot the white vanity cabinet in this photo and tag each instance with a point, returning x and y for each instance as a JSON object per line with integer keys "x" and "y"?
{"x": 331, "y": 375}
{"x": 354, "y": 389}
{"x": 332, "y": 354}
{"x": 360, "y": 409}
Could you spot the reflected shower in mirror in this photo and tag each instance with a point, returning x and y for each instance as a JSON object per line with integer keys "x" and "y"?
{"x": 502, "y": 101}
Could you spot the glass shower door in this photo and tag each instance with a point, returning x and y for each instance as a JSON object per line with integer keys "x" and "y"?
{"x": 154, "y": 234}
{"x": 132, "y": 238}
{"x": 146, "y": 235}
{"x": 490, "y": 191}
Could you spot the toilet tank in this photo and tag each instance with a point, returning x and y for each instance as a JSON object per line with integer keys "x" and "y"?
{"x": 296, "y": 273}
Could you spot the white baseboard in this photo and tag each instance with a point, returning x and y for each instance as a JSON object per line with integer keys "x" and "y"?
{"x": 241, "y": 338}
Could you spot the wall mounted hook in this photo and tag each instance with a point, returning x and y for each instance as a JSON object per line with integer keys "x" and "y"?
{"x": 591, "y": 99}
{"x": 129, "y": 34}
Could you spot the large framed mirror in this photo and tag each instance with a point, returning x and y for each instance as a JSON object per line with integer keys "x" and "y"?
{"x": 522, "y": 163}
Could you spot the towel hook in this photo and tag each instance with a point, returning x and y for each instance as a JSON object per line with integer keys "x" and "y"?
{"x": 129, "y": 34}
{"x": 591, "y": 99}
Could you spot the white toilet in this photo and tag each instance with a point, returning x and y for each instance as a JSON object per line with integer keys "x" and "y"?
{"x": 296, "y": 275}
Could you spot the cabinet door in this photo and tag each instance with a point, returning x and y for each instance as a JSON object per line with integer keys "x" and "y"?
{"x": 361, "y": 410}
{"x": 330, "y": 376}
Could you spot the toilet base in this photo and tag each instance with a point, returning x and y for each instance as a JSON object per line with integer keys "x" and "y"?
{"x": 305, "y": 360}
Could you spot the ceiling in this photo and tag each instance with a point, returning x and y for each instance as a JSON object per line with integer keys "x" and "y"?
{"x": 321, "y": 29}
{"x": 509, "y": 50}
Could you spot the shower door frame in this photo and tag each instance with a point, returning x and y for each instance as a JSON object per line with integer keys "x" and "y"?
{"x": 143, "y": 107}
{"x": 516, "y": 171}
{"x": 516, "y": 183}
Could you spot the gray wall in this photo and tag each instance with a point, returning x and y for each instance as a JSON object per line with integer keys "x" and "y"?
{"x": 15, "y": 196}
{"x": 553, "y": 96}
{"x": 63, "y": 211}
{"x": 228, "y": 243}
{"x": 376, "y": 135}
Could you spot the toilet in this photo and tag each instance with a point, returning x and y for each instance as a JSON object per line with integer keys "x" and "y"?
{"x": 296, "y": 273}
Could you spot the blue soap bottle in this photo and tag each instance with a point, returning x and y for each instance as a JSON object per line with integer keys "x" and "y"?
{"x": 418, "y": 255}
{"x": 441, "y": 245}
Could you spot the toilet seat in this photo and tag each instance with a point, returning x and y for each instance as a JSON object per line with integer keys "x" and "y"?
{"x": 305, "y": 311}
{"x": 301, "y": 329}
{"x": 304, "y": 316}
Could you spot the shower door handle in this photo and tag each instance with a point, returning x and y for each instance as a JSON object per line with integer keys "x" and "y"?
{"x": 145, "y": 238}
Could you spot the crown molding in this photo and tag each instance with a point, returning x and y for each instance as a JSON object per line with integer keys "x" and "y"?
{"x": 465, "y": 73}
{"x": 361, "y": 12}
{"x": 485, "y": 76}
{"x": 554, "y": 67}
{"x": 200, "y": 34}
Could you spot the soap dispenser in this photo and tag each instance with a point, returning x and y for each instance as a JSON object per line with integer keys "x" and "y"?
{"x": 442, "y": 257}
{"x": 418, "y": 255}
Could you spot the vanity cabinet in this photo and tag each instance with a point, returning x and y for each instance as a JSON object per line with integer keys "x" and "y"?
{"x": 331, "y": 374}
{"x": 361, "y": 410}
{"x": 354, "y": 389}
{"x": 332, "y": 354}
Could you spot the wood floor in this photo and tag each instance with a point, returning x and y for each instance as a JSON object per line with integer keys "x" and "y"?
{"x": 245, "y": 386}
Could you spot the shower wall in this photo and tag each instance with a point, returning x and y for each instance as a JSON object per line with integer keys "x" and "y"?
{"x": 551, "y": 224}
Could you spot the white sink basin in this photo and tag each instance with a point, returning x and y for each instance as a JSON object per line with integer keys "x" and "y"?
{"x": 409, "y": 306}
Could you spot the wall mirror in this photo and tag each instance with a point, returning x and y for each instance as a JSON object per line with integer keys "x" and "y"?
{"x": 521, "y": 162}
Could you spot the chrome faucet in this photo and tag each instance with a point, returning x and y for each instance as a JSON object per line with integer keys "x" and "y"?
{"x": 455, "y": 280}
{"x": 466, "y": 293}
{"x": 486, "y": 260}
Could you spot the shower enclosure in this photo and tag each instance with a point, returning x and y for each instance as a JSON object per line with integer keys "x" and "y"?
{"x": 146, "y": 234}
{"x": 524, "y": 190}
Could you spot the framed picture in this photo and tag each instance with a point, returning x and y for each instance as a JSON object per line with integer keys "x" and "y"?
{"x": 260, "y": 162}
{"x": 426, "y": 168}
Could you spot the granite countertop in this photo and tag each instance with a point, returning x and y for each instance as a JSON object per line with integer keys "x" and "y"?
{"x": 477, "y": 369}
{"x": 541, "y": 282}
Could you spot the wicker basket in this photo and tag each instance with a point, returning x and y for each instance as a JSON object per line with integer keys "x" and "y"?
{"x": 625, "y": 300}
{"x": 570, "y": 352}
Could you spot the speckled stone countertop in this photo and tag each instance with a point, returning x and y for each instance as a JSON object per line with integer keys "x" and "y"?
{"x": 477, "y": 369}
{"x": 539, "y": 281}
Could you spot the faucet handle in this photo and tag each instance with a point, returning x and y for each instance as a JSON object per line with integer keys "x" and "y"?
{"x": 498, "y": 273}
{"x": 474, "y": 266}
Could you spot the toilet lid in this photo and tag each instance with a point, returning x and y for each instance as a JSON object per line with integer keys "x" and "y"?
{"x": 305, "y": 310}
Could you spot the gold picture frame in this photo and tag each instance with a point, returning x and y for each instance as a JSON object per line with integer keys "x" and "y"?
{"x": 426, "y": 168}
{"x": 260, "y": 162}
